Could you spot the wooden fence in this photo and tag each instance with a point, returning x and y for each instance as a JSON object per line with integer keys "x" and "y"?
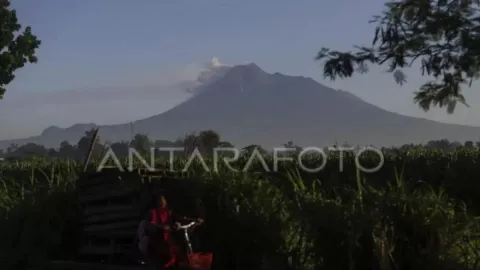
{"x": 113, "y": 204}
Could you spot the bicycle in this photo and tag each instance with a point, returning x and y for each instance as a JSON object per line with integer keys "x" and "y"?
{"x": 194, "y": 261}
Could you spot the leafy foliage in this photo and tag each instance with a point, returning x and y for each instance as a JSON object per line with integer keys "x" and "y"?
{"x": 442, "y": 35}
{"x": 15, "y": 49}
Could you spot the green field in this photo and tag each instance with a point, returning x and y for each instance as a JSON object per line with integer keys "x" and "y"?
{"x": 417, "y": 212}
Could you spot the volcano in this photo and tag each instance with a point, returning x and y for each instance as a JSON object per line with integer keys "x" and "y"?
{"x": 247, "y": 105}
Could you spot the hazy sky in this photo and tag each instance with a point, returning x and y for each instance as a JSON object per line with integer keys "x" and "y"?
{"x": 113, "y": 61}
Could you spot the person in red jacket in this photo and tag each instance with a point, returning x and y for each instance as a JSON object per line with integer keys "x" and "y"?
{"x": 164, "y": 250}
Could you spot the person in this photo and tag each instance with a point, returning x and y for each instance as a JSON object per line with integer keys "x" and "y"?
{"x": 142, "y": 241}
{"x": 158, "y": 244}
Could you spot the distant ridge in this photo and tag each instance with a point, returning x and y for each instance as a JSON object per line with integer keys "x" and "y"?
{"x": 247, "y": 105}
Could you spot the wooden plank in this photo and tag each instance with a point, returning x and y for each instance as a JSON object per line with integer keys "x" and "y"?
{"x": 105, "y": 196}
{"x": 101, "y": 189}
{"x": 106, "y": 176}
{"x": 98, "y": 181}
{"x": 113, "y": 234}
{"x": 105, "y": 209}
{"x": 85, "y": 176}
{"x": 112, "y": 216}
{"x": 104, "y": 171}
{"x": 98, "y": 250}
{"x": 111, "y": 226}
{"x": 71, "y": 265}
{"x": 106, "y": 249}
{"x": 118, "y": 180}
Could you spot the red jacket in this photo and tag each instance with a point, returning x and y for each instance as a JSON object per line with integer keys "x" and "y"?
{"x": 161, "y": 216}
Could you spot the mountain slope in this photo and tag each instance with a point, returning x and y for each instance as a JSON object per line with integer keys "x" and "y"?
{"x": 247, "y": 105}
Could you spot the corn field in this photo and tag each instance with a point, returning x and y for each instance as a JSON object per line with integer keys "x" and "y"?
{"x": 417, "y": 212}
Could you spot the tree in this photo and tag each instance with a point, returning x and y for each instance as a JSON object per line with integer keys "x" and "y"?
{"x": 456, "y": 145}
{"x": 29, "y": 150}
{"x": 443, "y": 144}
{"x": 51, "y": 152}
{"x": 11, "y": 148}
{"x": 248, "y": 150}
{"x": 469, "y": 144}
{"x": 209, "y": 139}
{"x": 190, "y": 143}
{"x": 66, "y": 150}
{"x": 223, "y": 152}
{"x": 442, "y": 35}
{"x": 15, "y": 49}
{"x": 120, "y": 148}
{"x": 225, "y": 144}
{"x": 290, "y": 144}
{"x": 141, "y": 143}
{"x": 83, "y": 145}
{"x": 166, "y": 144}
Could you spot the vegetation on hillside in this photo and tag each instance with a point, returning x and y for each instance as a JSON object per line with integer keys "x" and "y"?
{"x": 205, "y": 141}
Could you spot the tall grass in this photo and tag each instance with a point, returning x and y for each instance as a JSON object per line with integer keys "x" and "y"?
{"x": 412, "y": 214}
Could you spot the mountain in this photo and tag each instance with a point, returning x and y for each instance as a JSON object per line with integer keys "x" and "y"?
{"x": 247, "y": 105}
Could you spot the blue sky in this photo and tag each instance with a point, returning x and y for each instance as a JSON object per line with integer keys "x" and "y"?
{"x": 146, "y": 49}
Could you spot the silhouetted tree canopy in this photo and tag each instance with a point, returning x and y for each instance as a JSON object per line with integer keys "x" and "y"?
{"x": 442, "y": 35}
{"x": 209, "y": 139}
{"x": 83, "y": 146}
{"x": 16, "y": 48}
{"x": 142, "y": 143}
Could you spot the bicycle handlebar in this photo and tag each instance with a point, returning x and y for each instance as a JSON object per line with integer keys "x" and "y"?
{"x": 184, "y": 227}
